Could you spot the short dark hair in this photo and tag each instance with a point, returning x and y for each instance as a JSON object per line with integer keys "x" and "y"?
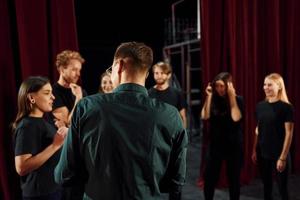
{"x": 140, "y": 54}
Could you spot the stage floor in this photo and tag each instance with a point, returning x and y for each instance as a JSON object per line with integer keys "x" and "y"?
{"x": 252, "y": 191}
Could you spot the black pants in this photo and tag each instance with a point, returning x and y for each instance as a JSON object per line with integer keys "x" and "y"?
{"x": 73, "y": 193}
{"x": 212, "y": 173}
{"x": 267, "y": 169}
{"x": 52, "y": 196}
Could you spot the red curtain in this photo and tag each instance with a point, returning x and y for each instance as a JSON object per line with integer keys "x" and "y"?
{"x": 250, "y": 39}
{"x": 44, "y": 29}
{"x": 32, "y": 33}
{"x": 8, "y": 96}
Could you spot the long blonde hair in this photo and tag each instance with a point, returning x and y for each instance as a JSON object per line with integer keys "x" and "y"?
{"x": 277, "y": 78}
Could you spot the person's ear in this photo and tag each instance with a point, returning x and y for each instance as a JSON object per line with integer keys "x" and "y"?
{"x": 31, "y": 99}
{"x": 121, "y": 66}
{"x": 60, "y": 69}
{"x": 169, "y": 75}
{"x": 279, "y": 86}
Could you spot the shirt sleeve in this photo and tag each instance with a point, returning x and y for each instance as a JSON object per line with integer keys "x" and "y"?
{"x": 70, "y": 170}
{"x": 178, "y": 158}
{"x": 289, "y": 114}
{"x": 26, "y": 140}
{"x": 182, "y": 101}
{"x": 174, "y": 178}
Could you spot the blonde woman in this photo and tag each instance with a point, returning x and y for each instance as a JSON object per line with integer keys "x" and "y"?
{"x": 273, "y": 136}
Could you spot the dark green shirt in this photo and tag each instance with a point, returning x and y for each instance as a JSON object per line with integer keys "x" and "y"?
{"x": 124, "y": 145}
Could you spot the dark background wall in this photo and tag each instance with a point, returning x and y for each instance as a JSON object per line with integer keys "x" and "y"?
{"x": 102, "y": 27}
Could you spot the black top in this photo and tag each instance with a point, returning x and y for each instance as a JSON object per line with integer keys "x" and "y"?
{"x": 124, "y": 146}
{"x": 64, "y": 97}
{"x": 270, "y": 121}
{"x": 170, "y": 95}
{"x": 32, "y": 136}
{"x": 224, "y": 132}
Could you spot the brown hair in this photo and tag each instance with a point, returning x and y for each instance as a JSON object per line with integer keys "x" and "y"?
{"x": 220, "y": 105}
{"x": 140, "y": 54}
{"x": 223, "y": 76}
{"x": 32, "y": 84}
{"x": 64, "y": 57}
{"x": 165, "y": 67}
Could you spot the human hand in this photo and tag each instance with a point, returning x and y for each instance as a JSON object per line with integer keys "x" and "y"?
{"x": 208, "y": 89}
{"x": 254, "y": 157}
{"x": 63, "y": 131}
{"x": 58, "y": 140}
{"x": 76, "y": 90}
{"x": 230, "y": 89}
{"x": 59, "y": 123}
{"x": 280, "y": 165}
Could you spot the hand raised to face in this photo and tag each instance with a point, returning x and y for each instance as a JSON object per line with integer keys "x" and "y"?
{"x": 208, "y": 89}
{"x": 230, "y": 89}
{"x": 76, "y": 90}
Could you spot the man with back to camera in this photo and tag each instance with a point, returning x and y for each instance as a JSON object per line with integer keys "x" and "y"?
{"x": 125, "y": 145}
{"x": 162, "y": 73}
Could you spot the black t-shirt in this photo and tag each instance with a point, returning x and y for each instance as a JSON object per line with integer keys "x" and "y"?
{"x": 32, "y": 136}
{"x": 64, "y": 97}
{"x": 170, "y": 95}
{"x": 225, "y": 134}
{"x": 270, "y": 121}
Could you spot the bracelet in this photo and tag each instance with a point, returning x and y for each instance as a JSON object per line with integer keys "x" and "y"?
{"x": 283, "y": 160}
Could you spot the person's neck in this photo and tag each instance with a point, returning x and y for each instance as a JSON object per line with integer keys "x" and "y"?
{"x": 138, "y": 82}
{"x": 36, "y": 113}
{"x": 139, "y": 78}
{"x": 63, "y": 83}
{"x": 161, "y": 86}
{"x": 273, "y": 99}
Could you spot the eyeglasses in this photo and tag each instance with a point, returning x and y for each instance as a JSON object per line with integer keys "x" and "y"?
{"x": 109, "y": 70}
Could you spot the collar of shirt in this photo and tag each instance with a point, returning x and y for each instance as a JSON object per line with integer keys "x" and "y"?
{"x": 131, "y": 87}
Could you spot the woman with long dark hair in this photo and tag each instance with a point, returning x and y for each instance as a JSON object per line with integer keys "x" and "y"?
{"x": 223, "y": 108}
{"x": 36, "y": 141}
